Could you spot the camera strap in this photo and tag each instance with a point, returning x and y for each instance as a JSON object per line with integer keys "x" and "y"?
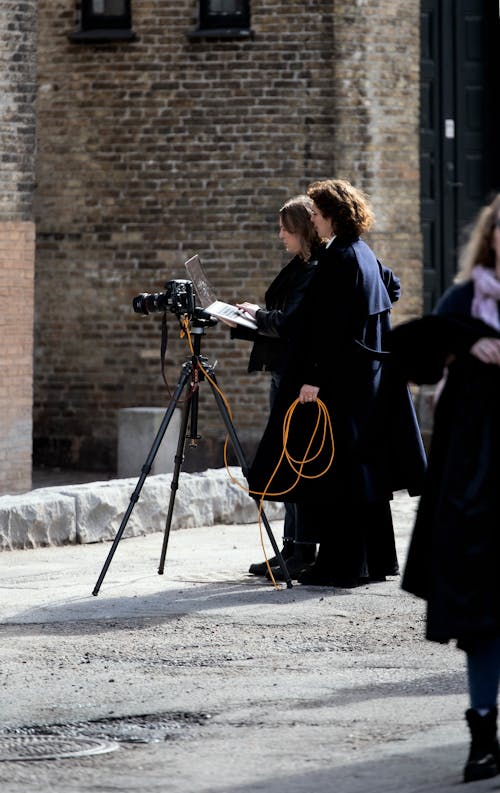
{"x": 163, "y": 347}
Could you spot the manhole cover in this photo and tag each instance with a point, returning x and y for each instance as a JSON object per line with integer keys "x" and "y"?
{"x": 50, "y": 747}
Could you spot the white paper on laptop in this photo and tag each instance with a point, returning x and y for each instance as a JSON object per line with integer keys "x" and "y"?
{"x": 208, "y": 298}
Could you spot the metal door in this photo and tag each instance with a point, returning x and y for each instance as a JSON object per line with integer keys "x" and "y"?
{"x": 459, "y": 130}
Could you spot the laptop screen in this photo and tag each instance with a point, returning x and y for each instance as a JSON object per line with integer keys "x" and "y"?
{"x": 204, "y": 289}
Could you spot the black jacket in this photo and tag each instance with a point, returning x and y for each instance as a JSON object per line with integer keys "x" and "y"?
{"x": 455, "y": 547}
{"x": 275, "y": 323}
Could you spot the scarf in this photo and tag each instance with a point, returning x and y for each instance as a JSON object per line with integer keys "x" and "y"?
{"x": 486, "y": 296}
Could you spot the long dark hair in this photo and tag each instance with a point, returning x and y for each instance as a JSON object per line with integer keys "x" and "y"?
{"x": 295, "y": 216}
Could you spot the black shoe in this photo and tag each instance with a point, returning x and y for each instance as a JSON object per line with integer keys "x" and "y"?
{"x": 484, "y": 756}
{"x": 316, "y": 576}
{"x": 260, "y": 568}
{"x": 295, "y": 566}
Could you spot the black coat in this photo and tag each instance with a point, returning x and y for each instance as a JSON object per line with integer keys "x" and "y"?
{"x": 455, "y": 548}
{"x": 344, "y": 319}
{"x": 276, "y": 323}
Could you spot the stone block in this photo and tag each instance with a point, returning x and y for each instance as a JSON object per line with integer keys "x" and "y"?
{"x": 35, "y": 519}
{"x": 101, "y": 506}
{"x": 211, "y": 497}
{"x": 137, "y": 430}
{"x": 93, "y": 512}
{"x": 200, "y": 500}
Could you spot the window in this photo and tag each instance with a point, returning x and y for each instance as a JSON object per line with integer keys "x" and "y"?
{"x": 224, "y": 14}
{"x": 105, "y": 20}
{"x": 223, "y": 18}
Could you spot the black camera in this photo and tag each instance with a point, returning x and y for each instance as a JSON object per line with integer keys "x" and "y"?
{"x": 178, "y": 297}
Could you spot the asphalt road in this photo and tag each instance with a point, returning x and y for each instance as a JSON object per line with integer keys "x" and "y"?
{"x": 208, "y": 680}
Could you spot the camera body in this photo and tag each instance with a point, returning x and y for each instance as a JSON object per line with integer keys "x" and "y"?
{"x": 178, "y": 297}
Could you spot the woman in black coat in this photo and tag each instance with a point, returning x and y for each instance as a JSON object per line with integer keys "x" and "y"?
{"x": 271, "y": 346}
{"x": 337, "y": 354}
{"x": 455, "y": 548}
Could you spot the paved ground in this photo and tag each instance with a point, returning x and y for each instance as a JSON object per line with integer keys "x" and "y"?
{"x": 210, "y": 681}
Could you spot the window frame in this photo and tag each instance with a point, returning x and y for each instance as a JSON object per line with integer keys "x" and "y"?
{"x": 210, "y": 21}
{"x": 222, "y": 25}
{"x": 104, "y": 27}
{"x": 93, "y": 21}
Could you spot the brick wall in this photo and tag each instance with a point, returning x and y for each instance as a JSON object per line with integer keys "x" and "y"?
{"x": 152, "y": 151}
{"x": 376, "y": 127}
{"x": 17, "y": 253}
{"x": 17, "y": 241}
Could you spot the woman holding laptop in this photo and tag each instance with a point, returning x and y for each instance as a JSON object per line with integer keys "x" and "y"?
{"x": 276, "y": 324}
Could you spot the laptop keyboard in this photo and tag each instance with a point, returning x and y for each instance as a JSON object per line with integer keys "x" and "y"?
{"x": 230, "y": 311}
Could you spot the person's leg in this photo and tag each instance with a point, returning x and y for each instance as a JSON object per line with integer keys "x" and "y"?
{"x": 304, "y": 542}
{"x": 261, "y": 568}
{"x": 290, "y": 522}
{"x": 483, "y": 674}
{"x": 341, "y": 559}
{"x": 381, "y": 553}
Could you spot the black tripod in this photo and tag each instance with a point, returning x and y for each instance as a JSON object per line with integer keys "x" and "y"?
{"x": 191, "y": 373}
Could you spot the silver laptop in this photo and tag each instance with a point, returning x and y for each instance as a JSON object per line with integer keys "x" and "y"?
{"x": 208, "y": 298}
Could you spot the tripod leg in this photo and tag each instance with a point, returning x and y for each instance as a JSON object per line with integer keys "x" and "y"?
{"x": 146, "y": 468}
{"x": 179, "y": 458}
{"x": 244, "y": 466}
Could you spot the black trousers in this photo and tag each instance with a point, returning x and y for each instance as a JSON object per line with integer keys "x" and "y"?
{"x": 356, "y": 539}
{"x": 296, "y": 526}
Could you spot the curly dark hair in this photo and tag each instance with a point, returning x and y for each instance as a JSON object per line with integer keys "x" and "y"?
{"x": 346, "y": 206}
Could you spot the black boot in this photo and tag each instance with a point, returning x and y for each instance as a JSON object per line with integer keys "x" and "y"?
{"x": 316, "y": 575}
{"x": 260, "y": 568}
{"x": 304, "y": 554}
{"x": 484, "y": 756}
{"x": 321, "y": 573}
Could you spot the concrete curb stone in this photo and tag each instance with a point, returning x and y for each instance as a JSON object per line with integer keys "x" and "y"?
{"x": 93, "y": 512}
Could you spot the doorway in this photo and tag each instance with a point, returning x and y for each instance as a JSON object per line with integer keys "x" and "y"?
{"x": 459, "y": 128}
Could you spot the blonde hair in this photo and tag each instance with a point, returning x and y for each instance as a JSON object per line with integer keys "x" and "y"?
{"x": 477, "y": 249}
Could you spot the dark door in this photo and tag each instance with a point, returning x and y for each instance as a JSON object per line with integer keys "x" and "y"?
{"x": 459, "y": 129}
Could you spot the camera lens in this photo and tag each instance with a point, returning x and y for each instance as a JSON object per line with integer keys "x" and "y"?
{"x": 139, "y": 303}
{"x": 149, "y": 303}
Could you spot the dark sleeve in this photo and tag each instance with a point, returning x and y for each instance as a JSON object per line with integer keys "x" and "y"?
{"x": 270, "y": 323}
{"x": 456, "y": 300}
{"x": 420, "y": 348}
{"x": 278, "y": 322}
{"x": 391, "y": 282}
{"x": 242, "y": 332}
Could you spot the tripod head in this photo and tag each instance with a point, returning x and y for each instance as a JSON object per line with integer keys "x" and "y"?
{"x": 202, "y": 319}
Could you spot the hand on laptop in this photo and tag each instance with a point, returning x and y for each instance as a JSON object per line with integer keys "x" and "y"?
{"x": 248, "y": 308}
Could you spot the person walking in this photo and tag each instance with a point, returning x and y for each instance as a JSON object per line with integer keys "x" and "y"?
{"x": 455, "y": 547}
